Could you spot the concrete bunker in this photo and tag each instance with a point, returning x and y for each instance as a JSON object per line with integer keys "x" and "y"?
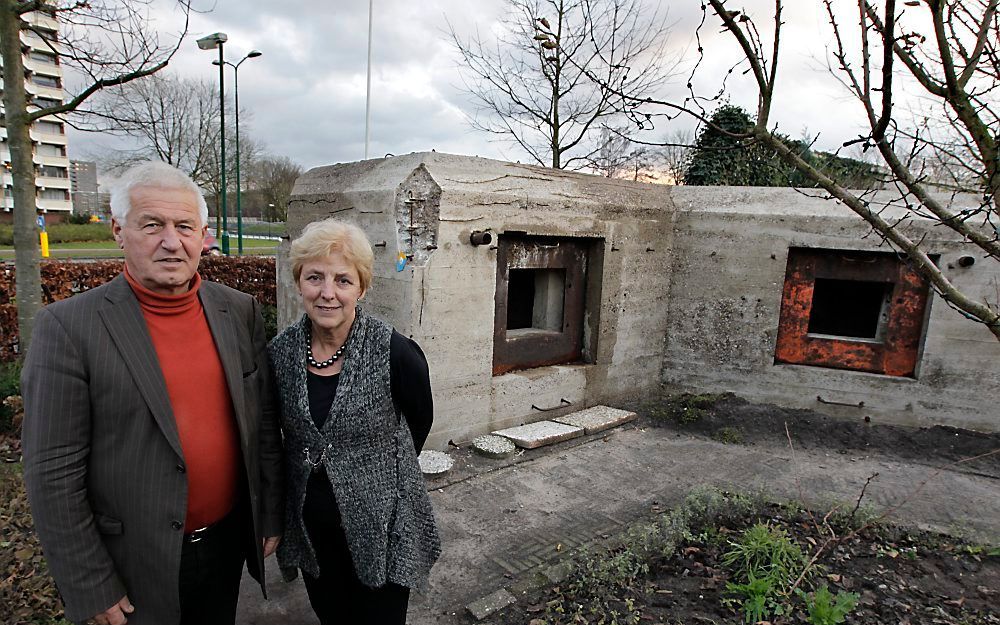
{"x": 536, "y": 291}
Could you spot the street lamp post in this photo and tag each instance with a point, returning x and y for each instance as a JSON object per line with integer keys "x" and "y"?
{"x": 239, "y": 189}
{"x": 210, "y": 42}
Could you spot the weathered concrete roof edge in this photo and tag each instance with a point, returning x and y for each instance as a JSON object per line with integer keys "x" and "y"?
{"x": 459, "y": 175}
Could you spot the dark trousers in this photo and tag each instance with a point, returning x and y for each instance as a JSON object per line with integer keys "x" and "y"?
{"x": 337, "y": 596}
{"x": 211, "y": 568}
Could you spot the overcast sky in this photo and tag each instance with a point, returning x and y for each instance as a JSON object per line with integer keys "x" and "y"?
{"x": 306, "y": 93}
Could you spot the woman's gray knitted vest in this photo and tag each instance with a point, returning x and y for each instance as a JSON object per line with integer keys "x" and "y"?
{"x": 368, "y": 454}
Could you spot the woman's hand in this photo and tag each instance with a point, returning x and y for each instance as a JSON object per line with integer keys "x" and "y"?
{"x": 270, "y": 544}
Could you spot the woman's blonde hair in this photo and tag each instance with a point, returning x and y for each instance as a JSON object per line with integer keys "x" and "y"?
{"x": 322, "y": 238}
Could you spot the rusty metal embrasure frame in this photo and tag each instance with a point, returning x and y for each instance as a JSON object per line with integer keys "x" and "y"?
{"x": 895, "y": 353}
{"x": 538, "y": 348}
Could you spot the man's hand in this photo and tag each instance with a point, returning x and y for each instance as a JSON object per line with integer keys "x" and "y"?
{"x": 115, "y": 615}
{"x": 270, "y": 544}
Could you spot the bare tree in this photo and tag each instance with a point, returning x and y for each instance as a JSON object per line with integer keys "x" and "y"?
{"x": 675, "y": 151}
{"x": 948, "y": 49}
{"x": 107, "y": 43}
{"x": 175, "y": 120}
{"x": 559, "y": 69}
{"x": 171, "y": 119}
{"x": 273, "y": 177}
{"x": 617, "y": 156}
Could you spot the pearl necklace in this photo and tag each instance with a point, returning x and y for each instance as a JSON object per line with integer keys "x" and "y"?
{"x": 326, "y": 363}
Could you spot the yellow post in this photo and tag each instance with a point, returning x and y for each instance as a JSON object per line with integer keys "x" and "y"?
{"x": 44, "y": 237}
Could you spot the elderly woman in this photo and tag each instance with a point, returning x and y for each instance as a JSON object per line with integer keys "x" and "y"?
{"x": 356, "y": 410}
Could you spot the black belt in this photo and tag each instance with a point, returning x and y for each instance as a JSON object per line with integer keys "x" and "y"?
{"x": 210, "y": 530}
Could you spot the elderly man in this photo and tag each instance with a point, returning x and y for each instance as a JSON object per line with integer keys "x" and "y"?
{"x": 152, "y": 454}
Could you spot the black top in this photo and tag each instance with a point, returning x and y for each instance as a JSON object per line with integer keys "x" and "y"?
{"x": 409, "y": 381}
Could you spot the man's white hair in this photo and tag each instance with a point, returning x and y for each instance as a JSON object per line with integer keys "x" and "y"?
{"x": 157, "y": 175}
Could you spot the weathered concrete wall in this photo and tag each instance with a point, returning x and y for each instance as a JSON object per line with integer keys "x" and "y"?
{"x": 730, "y": 253}
{"x": 444, "y": 298}
{"x": 689, "y": 291}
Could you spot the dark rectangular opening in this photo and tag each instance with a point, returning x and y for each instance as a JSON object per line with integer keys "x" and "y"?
{"x": 848, "y": 308}
{"x": 535, "y": 299}
{"x": 541, "y": 300}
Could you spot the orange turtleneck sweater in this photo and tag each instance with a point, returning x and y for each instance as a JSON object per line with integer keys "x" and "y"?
{"x": 199, "y": 397}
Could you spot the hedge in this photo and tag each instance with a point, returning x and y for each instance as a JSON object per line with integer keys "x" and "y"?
{"x": 64, "y": 233}
{"x": 61, "y": 279}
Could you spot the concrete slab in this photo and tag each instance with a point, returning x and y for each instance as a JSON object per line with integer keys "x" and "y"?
{"x": 435, "y": 462}
{"x": 493, "y": 446}
{"x": 540, "y": 433}
{"x": 490, "y": 604}
{"x": 597, "y": 419}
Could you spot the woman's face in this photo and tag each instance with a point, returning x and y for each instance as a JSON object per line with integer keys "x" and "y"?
{"x": 330, "y": 290}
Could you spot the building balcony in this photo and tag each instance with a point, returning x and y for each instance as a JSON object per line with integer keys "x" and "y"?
{"x": 32, "y": 40}
{"x": 49, "y": 182}
{"x": 41, "y": 67}
{"x": 40, "y": 136}
{"x": 44, "y": 20}
{"x": 56, "y": 93}
{"x": 55, "y": 161}
{"x": 54, "y": 205}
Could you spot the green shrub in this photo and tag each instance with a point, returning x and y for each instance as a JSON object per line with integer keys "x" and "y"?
{"x": 684, "y": 409}
{"x": 764, "y": 562}
{"x": 825, "y": 608}
{"x": 270, "y": 314}
{"x": 73, "y": 233}
{"x": 728, "y": 435}
{"x": 764, "y": 551}
{"x": 10, "y": 384}
{"x": 64, "y": 233}
{"x": 78, "y": 218}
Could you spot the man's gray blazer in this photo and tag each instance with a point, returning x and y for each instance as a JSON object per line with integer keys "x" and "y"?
{"x": 103, "y": 463}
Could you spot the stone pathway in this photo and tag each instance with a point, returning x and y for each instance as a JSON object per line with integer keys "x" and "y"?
{"x": 500, "y": 519}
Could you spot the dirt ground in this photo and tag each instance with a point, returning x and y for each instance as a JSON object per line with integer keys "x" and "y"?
{"x": 897, "y": 576}
{"x": 735, "y": 420}
{"x": 904, "y": 577}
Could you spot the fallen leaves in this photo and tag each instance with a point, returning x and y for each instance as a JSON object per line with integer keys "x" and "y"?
{"x": 27, "y": 593}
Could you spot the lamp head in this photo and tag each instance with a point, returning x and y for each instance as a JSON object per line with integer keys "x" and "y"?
{"x": 254, "y": 54}
{"x": 210, "y": 42}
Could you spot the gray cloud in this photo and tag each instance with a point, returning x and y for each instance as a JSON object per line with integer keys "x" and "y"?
{"x": 307, "y": 91}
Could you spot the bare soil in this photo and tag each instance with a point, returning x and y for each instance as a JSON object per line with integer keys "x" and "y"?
{"x": 901, "y": 576}
{"x": 735, "y": 420}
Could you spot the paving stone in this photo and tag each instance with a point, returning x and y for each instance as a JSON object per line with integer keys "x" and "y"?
{"x": 597, "y": 419}
{"x": 490, "y": 604}
{"x": 435, "y": 462}
{"x": 540, "y": 433}
{"x": 493, "y": 446}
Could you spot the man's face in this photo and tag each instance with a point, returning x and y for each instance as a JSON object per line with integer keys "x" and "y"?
{"x": 162, "y": 237}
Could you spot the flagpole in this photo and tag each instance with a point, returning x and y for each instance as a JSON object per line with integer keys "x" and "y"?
{"x": 368, "y": 96}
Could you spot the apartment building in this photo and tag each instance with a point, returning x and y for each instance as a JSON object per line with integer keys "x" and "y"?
{"x": 44, "y": 86}
{"x": 83, "y": 187}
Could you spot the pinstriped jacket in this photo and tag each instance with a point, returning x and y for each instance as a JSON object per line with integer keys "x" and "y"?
{"x": 103, "y": 462}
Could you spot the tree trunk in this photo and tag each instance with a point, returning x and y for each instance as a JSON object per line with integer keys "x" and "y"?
{"x": 29, "y": 281}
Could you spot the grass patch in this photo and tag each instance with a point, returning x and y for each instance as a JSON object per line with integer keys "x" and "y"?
{"x": 109, "y": 249}
{"x": 685, "y": 408}
{"x": 266, "y": 229}
{"x": 728, "y": 435}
